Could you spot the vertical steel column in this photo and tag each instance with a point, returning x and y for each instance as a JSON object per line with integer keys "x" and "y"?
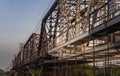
{"x": 93, "y": 57}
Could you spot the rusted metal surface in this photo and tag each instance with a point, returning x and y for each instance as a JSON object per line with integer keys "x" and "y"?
{"x": 83, "y": 30}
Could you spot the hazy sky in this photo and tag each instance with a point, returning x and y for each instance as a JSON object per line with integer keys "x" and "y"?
{"x": 18, "y": 19}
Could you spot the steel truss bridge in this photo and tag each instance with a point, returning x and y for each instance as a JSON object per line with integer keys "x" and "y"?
{"x": 84, "y": 34}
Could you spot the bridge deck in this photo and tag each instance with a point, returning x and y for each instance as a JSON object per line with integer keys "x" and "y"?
{"x": 98, "y": 49}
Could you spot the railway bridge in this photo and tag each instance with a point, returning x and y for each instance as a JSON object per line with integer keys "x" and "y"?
{"x": 76, "y": 38}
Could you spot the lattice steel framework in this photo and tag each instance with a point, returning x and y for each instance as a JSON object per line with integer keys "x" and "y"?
{"x": 75, "y": 32}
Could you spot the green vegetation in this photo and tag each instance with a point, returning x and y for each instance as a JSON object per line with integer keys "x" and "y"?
{"x": 37, "y": 72}
{"x": 76, "y": 70}
{"x": 86, "y": 70}
{"x": 81, "y": 71}
{"x": 7, "y": 73}
{"x": 3, "y": 73}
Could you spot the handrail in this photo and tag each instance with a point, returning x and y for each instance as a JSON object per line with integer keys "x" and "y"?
{"x": 105, "y": 16}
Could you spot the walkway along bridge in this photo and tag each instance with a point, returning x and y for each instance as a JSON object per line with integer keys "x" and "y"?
{"x": 77, "y": 38}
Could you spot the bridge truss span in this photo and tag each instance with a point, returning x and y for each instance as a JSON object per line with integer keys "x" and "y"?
{"x": 74, "y": 32}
